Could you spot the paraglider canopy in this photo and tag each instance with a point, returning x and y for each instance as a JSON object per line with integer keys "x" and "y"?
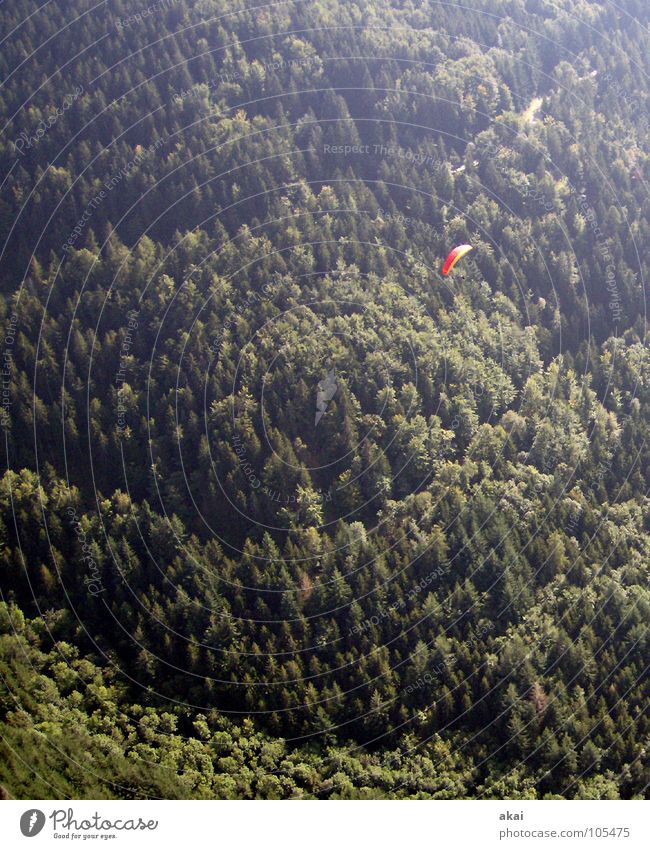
{"x": 454, "y": 256}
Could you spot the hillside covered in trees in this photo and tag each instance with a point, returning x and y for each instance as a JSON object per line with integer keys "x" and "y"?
{"x": 285, "y": 512}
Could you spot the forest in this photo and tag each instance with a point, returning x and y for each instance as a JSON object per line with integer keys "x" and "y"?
{"x": 285, "y": 513}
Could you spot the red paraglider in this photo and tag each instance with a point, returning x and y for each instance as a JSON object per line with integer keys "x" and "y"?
{"x": 454, "y": 256}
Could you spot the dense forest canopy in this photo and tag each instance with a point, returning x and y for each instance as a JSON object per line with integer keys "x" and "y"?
{"x": 286, "y": 513}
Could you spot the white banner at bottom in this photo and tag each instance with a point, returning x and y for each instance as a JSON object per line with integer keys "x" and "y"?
{"x": 332, "y": 824}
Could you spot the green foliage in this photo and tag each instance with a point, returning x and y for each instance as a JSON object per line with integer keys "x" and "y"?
{"x": 441, "y": 592}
